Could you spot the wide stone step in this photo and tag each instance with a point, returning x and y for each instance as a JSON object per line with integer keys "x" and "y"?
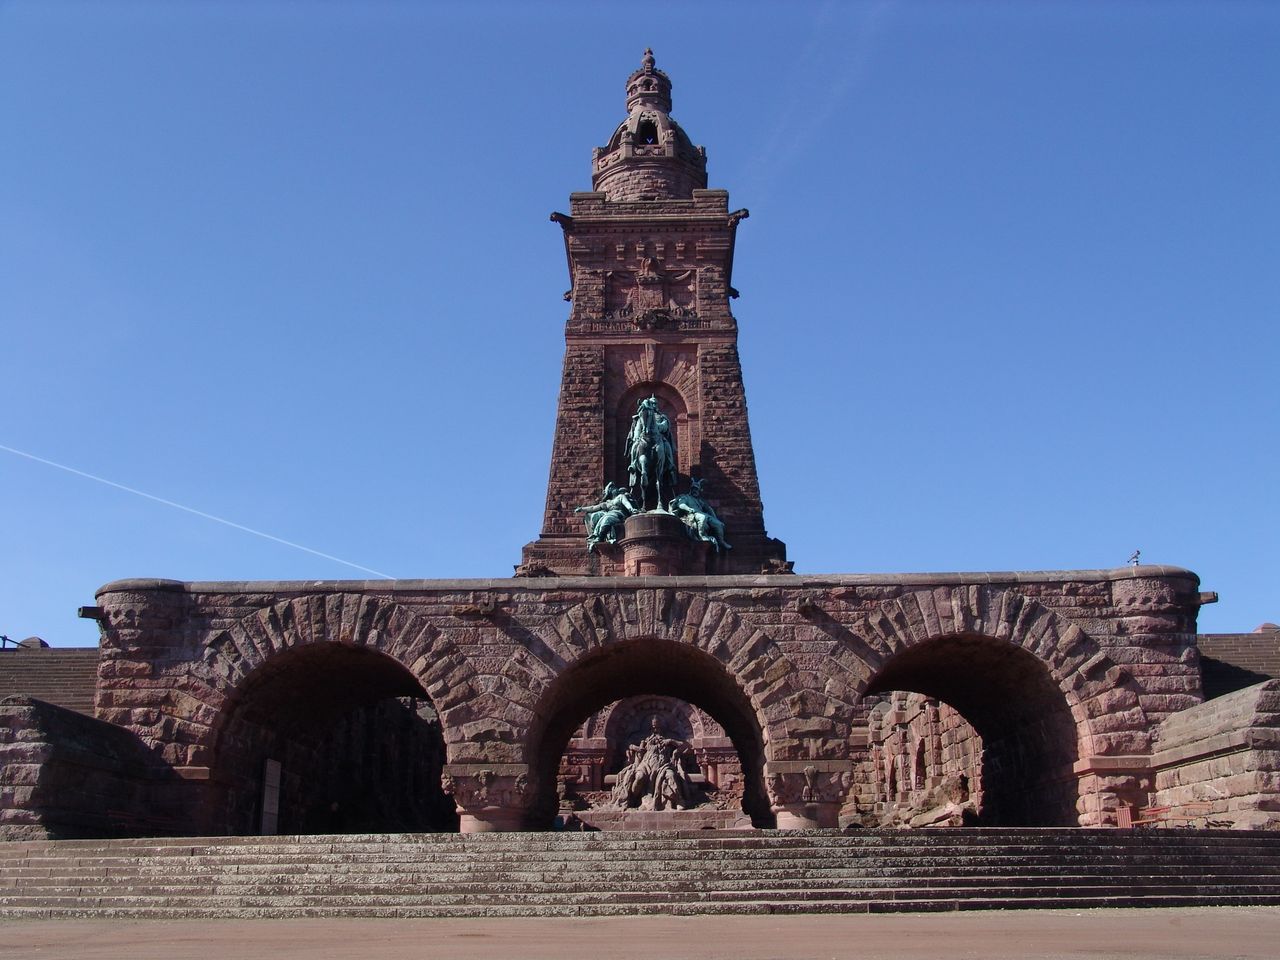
{"x": 676, "y": 909}
{"x": 403, "y": 872}
{"x": 601, "y": 875}
{"x": 537, "y": 874}
{"x": 663, "y": 861}
{"x": 518, "y": 842}
{"x": 533, "y": 869}
{"x": 1046, "y": 892}
{"x": 742, "y": 887}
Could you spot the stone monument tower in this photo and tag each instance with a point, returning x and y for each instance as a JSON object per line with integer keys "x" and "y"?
{"x": 650, "y": 254}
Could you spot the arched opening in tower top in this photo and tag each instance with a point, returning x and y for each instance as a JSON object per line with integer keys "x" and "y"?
{"x": 329, "y": 738}
{"x": 967, "y": 729}
{"x": 646, "y": 131}
{"x": 674, "y": 741}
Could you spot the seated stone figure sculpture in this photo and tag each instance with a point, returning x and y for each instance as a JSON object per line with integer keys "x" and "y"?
{"x": 605, "y": 519}
{"x": 654, "y": 777}
{"x": 699, "y": 517}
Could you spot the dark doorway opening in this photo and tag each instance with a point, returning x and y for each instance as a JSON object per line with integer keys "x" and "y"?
{"x": 974, "y": 721}
{"x": 330, "y": 739}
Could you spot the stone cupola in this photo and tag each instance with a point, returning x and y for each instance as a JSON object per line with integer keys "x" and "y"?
{"x": 649, "y": 157}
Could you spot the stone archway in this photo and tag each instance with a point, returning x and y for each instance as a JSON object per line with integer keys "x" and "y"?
{"x": 636, "y": 667}
{"x": 803, "y": 713}
{"x": 924, "y": 641}
{"x": 328, "y": 738}
{"x": 359, "y": 654}
{"x": 1029, "y": 737}
{"x": 351, "y": 620}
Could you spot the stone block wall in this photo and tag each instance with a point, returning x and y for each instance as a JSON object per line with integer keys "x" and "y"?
{"x": 66, "y": 775}
{"x": 1223, "y": 754}
{"x": 1233, "y": 661}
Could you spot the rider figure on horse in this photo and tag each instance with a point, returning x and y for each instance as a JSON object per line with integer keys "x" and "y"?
{"x": 651, "y": 455}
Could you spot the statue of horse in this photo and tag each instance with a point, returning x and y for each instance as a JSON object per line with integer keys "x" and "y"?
{"x": 651, "y": 456}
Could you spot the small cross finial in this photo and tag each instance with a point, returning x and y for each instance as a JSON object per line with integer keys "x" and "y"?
{"x": 648, "y": 60}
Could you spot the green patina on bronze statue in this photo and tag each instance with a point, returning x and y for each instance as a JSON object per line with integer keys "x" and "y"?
{"x": 605, "y": 519}
{"x": 651, "y": 456}
{"x": 651, "y": 476}
{"x": 699, "y": 517}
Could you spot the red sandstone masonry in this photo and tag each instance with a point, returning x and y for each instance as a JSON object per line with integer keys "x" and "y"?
{"x": 650, "y": 259}
{"x": 802, "y": 650}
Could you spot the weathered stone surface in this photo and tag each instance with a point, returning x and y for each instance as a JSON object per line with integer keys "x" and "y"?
{"x": 1221, "y": 753}
{"x": 723, "y": 642}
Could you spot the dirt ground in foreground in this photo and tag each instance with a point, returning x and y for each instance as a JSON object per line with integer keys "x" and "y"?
{"x": 1166, "y": 934}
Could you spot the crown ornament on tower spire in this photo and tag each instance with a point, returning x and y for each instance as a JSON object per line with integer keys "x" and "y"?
{"x": 649, "y": 157}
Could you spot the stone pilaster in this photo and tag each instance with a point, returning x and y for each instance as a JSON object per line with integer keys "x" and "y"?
{"x": 806, "y": 795}
{"x": 489, "y": 797}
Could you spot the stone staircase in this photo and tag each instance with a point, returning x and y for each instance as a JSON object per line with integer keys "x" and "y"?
{"x": 597, "y": 874}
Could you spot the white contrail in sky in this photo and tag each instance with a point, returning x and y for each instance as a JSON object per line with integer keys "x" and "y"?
{"x": 198, "y": 513}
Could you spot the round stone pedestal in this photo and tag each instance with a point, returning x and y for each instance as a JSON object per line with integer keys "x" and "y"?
{"x": 654, "y": 545}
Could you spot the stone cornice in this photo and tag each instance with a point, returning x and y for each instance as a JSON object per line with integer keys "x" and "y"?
{"x": 615, "y": 584}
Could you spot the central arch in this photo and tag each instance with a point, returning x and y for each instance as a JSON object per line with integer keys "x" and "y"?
{"x": 634, "y": 667}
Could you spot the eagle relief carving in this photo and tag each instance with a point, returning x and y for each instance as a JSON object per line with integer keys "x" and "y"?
{"x": 650, "y": 295}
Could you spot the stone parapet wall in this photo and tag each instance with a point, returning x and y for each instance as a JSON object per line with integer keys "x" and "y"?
{"x": 1223, "y": 756}
{"x": 66, "y": 775}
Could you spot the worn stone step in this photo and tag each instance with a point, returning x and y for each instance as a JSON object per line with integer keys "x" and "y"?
{"x": 667, "y": 860}
{"x": 698, "y": 839}
{"x": 334, "y": 899}
{"x": 1044, "y": 885}
{"x": 534, "y": 870}
{"x": 598, "y": 875}
{"x": 756, "y": 859}
{"x": 213, "y": 865}
{"x": 678, "y": 909}
{"x": 539, "y": 873}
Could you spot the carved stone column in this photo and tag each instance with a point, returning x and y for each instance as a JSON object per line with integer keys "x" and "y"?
{"x": 807, "y": 794}
{"x": 488, "y": 797}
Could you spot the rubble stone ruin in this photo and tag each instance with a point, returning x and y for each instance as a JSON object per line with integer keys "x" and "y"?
{"x": 654, "y": 662}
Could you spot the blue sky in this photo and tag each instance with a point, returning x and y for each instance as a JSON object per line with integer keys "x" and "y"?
{"x": 1009, "y": 286}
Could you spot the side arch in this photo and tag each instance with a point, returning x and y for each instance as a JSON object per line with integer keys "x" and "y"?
{"x": 327, "y": 738}
{"x": 943, "y": 642}
{"x": 351, "y": 620}
{"x": 1101, "y": 694}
